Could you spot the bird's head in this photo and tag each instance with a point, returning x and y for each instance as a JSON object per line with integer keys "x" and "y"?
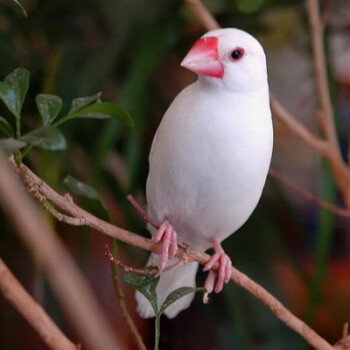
{"x": 228, "y": 57}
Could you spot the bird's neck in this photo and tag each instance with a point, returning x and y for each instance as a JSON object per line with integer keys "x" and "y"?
{"x": 215, "y": 87}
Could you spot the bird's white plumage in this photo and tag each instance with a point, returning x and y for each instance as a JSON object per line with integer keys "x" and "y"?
{"x": 210, "y": 157}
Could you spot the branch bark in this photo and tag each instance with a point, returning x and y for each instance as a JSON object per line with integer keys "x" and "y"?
{"x": 36, "y": 316}
{"x": 188, "y": 254}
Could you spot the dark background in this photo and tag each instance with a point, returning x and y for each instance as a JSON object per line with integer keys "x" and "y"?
{"x": 131, "y": 51}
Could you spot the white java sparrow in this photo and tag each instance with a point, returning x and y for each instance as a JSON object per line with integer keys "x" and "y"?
{"x": 209, "y": 159}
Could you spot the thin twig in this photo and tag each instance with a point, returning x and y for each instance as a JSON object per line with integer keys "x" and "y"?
{"x": 155, "y": 271}
{"x": 189, "y": 254}
{"x": 145, "y": 217}
{"x": 36, "y": 316}
{"x": 125, "y": 267}
{"x": 344, "y": 343}
{"x": 334, "y": 157}
{"x": 204, "y": 16}
{"x": 297, "y": 128}
{"x": 121, "y": 297}
{"x": 329, "y": 206}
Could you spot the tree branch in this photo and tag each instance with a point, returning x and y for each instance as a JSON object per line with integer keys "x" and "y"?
{"x": 297, "y": 128}
{"x": 202, "y": 13}
{"x": 188, "y": 254}
{"x": 339, "y": 168}
{"x": 329, "y": 206}
{"x": 36, "y": 316}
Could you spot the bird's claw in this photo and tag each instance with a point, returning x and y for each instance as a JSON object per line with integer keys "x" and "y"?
{"x": 168, "y": 236}
{"x": 222, "y": 275}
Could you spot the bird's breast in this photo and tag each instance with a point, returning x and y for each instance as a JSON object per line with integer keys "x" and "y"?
{"x": 208, "y": 165}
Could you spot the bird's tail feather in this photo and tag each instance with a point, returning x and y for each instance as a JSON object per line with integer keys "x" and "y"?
{"x": 183, "y": 276}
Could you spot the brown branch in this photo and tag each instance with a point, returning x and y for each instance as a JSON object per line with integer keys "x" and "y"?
{"x": 297, "y": 128}
{"x": 70, "y": 287}
{"x": 203, "y": 15}
{"x": 145, "y": 217}
{"x": 35, "y": 315}
{"x": 324, "y": 204}
{"x": 126, "y": 268}
{"x": 187, "y": 254}
{"x": 344, "y": 343}
{"x": 334, "y": 157}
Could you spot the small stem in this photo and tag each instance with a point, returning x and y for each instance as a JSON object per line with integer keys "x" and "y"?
{"x": 26, "y": 150}
{"x": 18, "y": 127}
{"x": 121, "y": 297}
{"x": 156, "y": 332}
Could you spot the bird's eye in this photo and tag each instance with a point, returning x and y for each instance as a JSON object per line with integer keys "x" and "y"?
{"x": 237, "y": 54}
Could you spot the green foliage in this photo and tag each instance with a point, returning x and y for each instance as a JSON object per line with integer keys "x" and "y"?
{"x": 46, "y": 137}
{"x": 11, "y": 145}
{"x": 13, "y": 91}
{"x": 20, "y": 7}
{"x": 5, "y": 127}
{"x": 99, "y": 110}
{"x": 146, "y": 284}
{"x": 88, "y": 192}
{"x": 48, "y": 106}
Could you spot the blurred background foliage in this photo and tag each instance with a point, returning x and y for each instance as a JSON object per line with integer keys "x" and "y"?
{"x": 131, "y": 50}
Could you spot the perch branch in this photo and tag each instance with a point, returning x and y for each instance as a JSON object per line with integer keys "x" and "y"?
{"x": 36, "y": 316}
{"x": 187, "y": 253}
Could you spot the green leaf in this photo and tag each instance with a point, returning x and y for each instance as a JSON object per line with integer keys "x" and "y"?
{"x": 48, "y": 106}
{"x": 11, "y": 145}
{"x": 81, "y": 102}
{"x": 86, "y": 191}
{"x": 21, "y": 8}
{"x": 80, "y": 188}
{"x": 14, "y": 89}
{"x": 145, "y": 284}
{"x": 5, "y": 127}
{"x": 46, "y": 137}
{"x": 178, "y": 294}
{"x": 101, "y": 110}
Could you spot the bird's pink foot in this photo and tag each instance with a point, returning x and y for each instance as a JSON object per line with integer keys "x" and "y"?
{"x": 168, "y": 236}
{"x": 223, "y": 274}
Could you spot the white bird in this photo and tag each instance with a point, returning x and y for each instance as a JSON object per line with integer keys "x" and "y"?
{"x": 209, "y": 159}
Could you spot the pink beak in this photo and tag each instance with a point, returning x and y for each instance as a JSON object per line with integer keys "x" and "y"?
{"x": 203, "y": 58}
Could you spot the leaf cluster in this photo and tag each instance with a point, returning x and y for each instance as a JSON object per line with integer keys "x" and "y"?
{"x": 47, "y": 136}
